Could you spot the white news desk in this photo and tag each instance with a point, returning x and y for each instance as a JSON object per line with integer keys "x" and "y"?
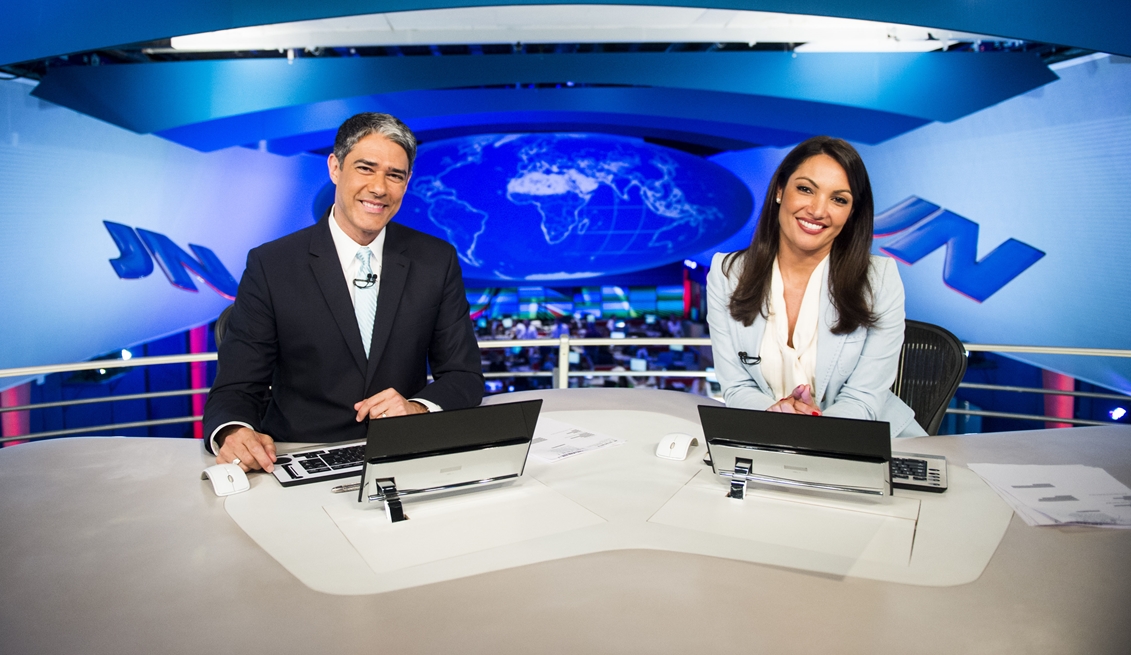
{"x": 116, "y": 546}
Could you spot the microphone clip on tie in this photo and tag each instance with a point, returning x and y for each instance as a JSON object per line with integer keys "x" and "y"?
{"x": 369, "y": 281}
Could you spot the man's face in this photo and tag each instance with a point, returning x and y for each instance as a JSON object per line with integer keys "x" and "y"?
{"x": 370, "y": 185}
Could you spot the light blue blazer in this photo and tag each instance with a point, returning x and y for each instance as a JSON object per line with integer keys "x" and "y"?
{"x": 854, "y": 372}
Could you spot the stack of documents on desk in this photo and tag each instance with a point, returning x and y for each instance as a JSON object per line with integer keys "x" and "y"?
{"x": 557, "y": 440}
{"x": 1060, "y": 495}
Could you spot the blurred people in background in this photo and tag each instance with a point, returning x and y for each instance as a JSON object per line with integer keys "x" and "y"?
{"x": 674, "y": 326}
{"x": 561, "y": 328}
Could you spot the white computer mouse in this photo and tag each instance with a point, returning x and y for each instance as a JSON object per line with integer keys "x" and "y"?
{"x": 675, "y": 446}
{"x": 227, "y": 479}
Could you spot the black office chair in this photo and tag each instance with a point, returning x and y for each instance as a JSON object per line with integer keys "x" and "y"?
{"x": 221, "y": 326}
{"x": 220, "y": 329}
{"x": 931, "y": 365}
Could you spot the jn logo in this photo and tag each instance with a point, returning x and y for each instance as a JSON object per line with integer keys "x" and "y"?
{"x": 933, "y": 227}
{"x": 135, "y": 260}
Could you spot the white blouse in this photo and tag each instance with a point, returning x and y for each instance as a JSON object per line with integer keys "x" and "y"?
{"x": 786, "y": 367}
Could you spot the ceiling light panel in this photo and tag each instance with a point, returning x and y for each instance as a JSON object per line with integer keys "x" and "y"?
{"x": 576, "y": 24}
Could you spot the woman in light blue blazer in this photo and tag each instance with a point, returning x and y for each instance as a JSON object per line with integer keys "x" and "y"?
{"x": 806, "y": 320}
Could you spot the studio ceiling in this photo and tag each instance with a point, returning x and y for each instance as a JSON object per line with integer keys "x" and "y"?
{"x": 711, "y": 75}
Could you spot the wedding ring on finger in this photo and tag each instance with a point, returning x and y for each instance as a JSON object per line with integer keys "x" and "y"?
{"x": 236, "y": 461}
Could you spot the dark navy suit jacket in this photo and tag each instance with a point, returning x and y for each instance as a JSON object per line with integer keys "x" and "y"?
{"x": 293, "y": 329}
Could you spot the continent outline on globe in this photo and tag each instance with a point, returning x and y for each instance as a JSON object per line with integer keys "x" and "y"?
{"x": 601, "y": 204}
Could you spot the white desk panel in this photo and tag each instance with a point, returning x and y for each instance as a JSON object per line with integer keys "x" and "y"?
{"x": 111, "y": 546}
{"x": 622, "y": 498}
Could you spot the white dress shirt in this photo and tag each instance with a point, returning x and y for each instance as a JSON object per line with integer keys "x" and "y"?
{"x": 347, "y": 254}
{"x": 784, "y": 366}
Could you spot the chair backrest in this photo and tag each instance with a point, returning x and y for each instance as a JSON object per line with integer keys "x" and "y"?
{"x": 931, "y": 365}
{"x": 221, "y": 327}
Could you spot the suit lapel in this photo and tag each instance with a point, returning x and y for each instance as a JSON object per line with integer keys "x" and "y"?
{"x": 750, "y": 342}
{"x": 394, "y": 274}
{"x": 328, "y": 272}
{"x": 829, "y": 345}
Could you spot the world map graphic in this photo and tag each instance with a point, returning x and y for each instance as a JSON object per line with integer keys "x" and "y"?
{"x": 544, "y": 207}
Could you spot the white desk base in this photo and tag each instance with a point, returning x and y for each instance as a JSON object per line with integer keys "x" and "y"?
{"x": 616, "y": 499}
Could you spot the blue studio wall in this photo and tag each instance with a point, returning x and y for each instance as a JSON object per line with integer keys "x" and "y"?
{"x": 1044, "y": 168}
{"x": 62, "y": 174}
{"x": 1048, "y": 168}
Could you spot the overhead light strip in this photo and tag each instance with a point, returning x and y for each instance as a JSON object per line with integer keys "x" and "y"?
{"x": 577, "y": 24}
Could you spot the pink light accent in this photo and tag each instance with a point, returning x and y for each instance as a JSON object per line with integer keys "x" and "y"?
{"x": 895, "y": 257}
{"x": 16, "y": 423}
{"x": 198, "y": 373}
{"x": 686, "y": 293}
{"x": 1058, "y": 406}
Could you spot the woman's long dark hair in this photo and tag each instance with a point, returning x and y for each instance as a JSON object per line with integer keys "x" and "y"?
{"x": 848, "y": 262}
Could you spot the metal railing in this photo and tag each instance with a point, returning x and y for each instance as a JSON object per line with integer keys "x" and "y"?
{"x": 1038, "y": 350}
{"x": 1033, "y": 417}
{"x": 94, "y": 365}
{"x": 1023, "y": 417}
{"x": 562, "y": 374}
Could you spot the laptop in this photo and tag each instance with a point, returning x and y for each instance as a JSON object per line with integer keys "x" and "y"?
{"x": 813, "y": 452}
{"x": 451, "y": 451}
{"x": 507, "y": 426}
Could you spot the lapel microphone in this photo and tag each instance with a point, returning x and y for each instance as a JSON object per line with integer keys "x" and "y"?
{"x": 747, "y": 359}
{"x": 369, "y": 281}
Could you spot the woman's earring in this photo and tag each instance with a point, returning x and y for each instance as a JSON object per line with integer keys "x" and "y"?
{"x": 778, "y": 200}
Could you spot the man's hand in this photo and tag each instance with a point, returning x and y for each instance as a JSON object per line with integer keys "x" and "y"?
{"x": 255, "y": 450}
{"x": 385, "y": 404}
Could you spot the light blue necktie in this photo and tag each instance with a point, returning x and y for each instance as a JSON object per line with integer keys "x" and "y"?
{"x": 365, "y": 298}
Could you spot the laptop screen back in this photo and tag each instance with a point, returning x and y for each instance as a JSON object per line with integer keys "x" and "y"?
{"x": 448, "y": 451}
{"x": 422, "y": 435}
{"x": 817, "y": 435}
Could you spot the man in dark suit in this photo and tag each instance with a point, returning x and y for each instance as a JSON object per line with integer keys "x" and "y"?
{"x": 342, "y": 319}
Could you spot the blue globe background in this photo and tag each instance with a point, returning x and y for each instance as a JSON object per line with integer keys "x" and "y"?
{"x": 547, "y": 207}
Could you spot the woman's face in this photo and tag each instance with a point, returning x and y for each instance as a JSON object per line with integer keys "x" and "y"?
{"x": 815, "y": 204}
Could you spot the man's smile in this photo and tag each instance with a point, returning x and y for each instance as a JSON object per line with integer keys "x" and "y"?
{"x": 374, "y": 206}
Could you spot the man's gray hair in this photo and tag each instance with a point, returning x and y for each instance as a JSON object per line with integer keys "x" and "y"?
{"x": 360, "y": 126}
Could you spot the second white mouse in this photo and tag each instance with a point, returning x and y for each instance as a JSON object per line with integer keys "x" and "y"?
{"x": 227, "y": 479}
{"x": 675, "y": 446}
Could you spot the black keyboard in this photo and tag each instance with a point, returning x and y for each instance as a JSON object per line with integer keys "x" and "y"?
{"x": 909, "y": 468}
{"x": 918, "y": 472}
{"x": 321, "y": 461}
{"x": 320, "y": 464}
